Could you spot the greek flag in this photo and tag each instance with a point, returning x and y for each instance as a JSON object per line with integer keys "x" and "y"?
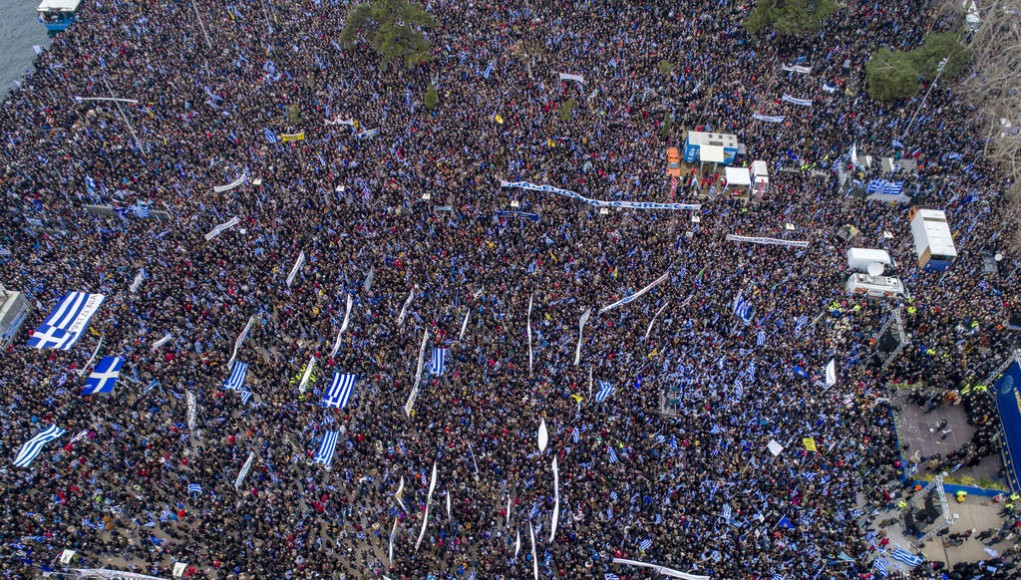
{"x": 605, "y": 390}
{"x": 613, "y": 455}
{"x": 329, "y": 443}
{"x": 802, "y": 321}
{"x": 90, "y": 184}
{"x": 64, "y": 326}
{"x": 645, "y": 545}
{"x": 103, "y": 376}
{"x": 880, "y": 565}
{"x": 165, "y": 516}
{"x": 750, "y": 371}
{"x": 438, "y": 364}
{"x": 194, "y": 488}
{"x": 778, "y": 577}
{"x": 31, "y": 449}
{"x": 725, "y": 513}
{"x": 575, "y": 435}
{"x": 611, "y": 576}
{"x": 883, "y": 187}
{"x": 140, "y": 210}
{"x": 245, "y": 397}
{"x": 902, "y": 555}
{"x": 236, "y": 380}
{"x": 270, "y": 136}
{"x": 743, "y": 309}
{"x": 760, "y": 340}
{"x": 340, "y": 390}
{"x": 489, "y": 69}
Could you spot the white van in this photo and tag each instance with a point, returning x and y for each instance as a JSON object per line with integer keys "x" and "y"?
{"x": 875, "y": 286}
{"x": 858, "y": 259}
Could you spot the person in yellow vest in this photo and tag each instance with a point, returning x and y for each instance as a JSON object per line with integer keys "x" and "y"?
{"x": 912, "y": 310}
{"x": 961, "y": 496}
{"x": 981, "y": 389}
{"x": 966, "y": 390}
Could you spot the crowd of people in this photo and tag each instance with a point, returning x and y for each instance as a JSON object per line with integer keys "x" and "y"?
{"x": 673, "y": 467}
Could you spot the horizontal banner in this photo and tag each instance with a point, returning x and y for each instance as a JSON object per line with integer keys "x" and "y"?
{"x": 599, "y": 203}
{"x": 796, "y": 101}
{"x": 219, "y": 228}
{"x": 568, "y": 77}
{"x": 768, "y": 118}
{"x": 518, "y": 214}
{"x": 796, "y": 68}
{"x": 292, "y": 137}
{"x": 768, "y": 241}
{"x": 231, "y": 185}
{"x": 636, "y": 295}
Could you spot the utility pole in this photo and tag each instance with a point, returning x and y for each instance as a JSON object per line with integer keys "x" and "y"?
{"x": 202, "y": 25}
{"x": 117, "y": 101}
{"x": 939, "y": 71}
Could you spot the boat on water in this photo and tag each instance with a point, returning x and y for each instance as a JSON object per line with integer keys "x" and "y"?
{"x": 57, "y": 15}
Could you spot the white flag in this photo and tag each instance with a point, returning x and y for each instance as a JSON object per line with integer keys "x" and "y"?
{"x": 774, "y": 447}
{"x": 161, "y": 342}
{"x": 308, "y": 373}
{"x": 831, "y": 373}
{"x": 343, "y": 327}
{"x": 137, "y": 282}
{"x": 393, "y": 533}
{"x": 410, "y": 404}
{"x": 543, "y": 436}
{"x": 581, "y": 328}
{"x": 296, "y": 268}
{"x": 464, "y": 324}
{"x": 244, "y": 470}
{"x": 404, "y": 309}
{"x": 530, "y": 334}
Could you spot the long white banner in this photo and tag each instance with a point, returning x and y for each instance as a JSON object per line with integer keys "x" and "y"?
{"x": 343, "y": 327}
{"x": 796, "y": 68}
{"x": 404, "y": 309}
{"x": 569, "y": 77}
{"x": 308, "y": 373}
{"x": 581, "y": 328}
{"x": 192, "y": 411}
{"x": 529, "y": 330}
{"x": 244, "y": 470}
{"x": 161, "y": 341}
{"x": 220, "y": 228}
{"x": 296, "y": 268}
{"x": 231, "y": 185}
{"x": 410, "y": 404}
{"x": 600, "y": 203}
{"x": 768, "y": 118}
{"x": 636, "y": 295}
{"x": 660, "y": 569}
{"x": 796, "y": 101}
{"x": 768, "y": 241}
{"x": 240, "y": 339}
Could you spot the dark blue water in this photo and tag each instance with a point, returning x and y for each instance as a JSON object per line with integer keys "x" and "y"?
{"x": 20, "y": 29}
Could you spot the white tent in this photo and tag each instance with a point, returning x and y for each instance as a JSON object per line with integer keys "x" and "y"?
{"x": 738, "y": 176}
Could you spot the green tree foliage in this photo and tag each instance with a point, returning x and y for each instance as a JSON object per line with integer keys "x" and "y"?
{"x": 790, "y": 17}
{"x": 431, "y": 98}
{"x": 895, "y": 74}
{"x": 567, "y": 109}
{"x": 666, "y": 67}
{"x": 393, "y": 27}
{"x": 294, "y": 114}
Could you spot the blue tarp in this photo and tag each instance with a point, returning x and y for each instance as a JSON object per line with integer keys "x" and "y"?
{"x": 1008, "y": 403}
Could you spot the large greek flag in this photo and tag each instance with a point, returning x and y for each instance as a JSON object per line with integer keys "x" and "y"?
{"x": 325, "y": 453}
{"x": 438, "y": 364}
{"x": 30, "y": 450}
{"x": 605, "y": 390}
{"x": 902, "y": 555}
{"x": 103, "y": 376}
{"x": 743, "y": 309}
{"x": 340, "y": 390}
{"x": 65, "y": 324}
{"x": 236, "y": 380}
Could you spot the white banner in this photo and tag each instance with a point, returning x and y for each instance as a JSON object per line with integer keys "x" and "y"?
{"x": 464, "y": 324}
{"x": 660, "y": 569}
{"x": 768, "y": 118}
{"x": 308, "y": 373}
{"x": 535, "y": 560}
{"x": 161, "y": 342}
{"x": 393, "y": 534}
{"x": 653, "y": 321}
{"x": 428, "y": 501}
{"x": 192, "y": 411}
{"x": 831, "y": 373}
{"x": 231, "y": 185}
{"x": 410, "y": 404}
{"x": 829, "y": 88}
{"x": 297, "y": 267}
{"x": 370, "y": 279}
{"x": 636, "y": 295}
{"x": 768, "y": 241}
{"x": 556, "y": 500}
{"x": 220, "y": 228}
{"x": 581, "y": 328}
{"x": 397, "y": 494}
{"x": 367, "y": 134}
{"x": 137, "y": 282}
{"x": 529, "y": 330}
{"x": 599, "y": 203}
{"x": 796, "y": 101}
{"x": 797, "y": 69}
{"x": 66, "y": 555}
{"x": 339, "y": 121}
{"x": 240, "y": 339}
{"x": 569, "y": 77}
{"x": 244, "y": 470}
{"x": 343, "y": 327}
{"x": 179, "y": 569}
{"x": 404, "y": 309}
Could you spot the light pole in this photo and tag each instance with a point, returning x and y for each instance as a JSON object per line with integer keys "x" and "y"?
{"x": 939, "y": 71}
{"x": 117, "y": 101}
{"x": 202, "y": 25}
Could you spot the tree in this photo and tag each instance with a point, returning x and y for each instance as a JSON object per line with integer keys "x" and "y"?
{"x": 935, "y": 48}
{"x": 567, "y": 109}
{"x": 891, "y": 74}
{"x": 393, "y": 27}
{"x": 666, "y": 67}
{"x": 431, "y": 98}
{"x": 294, "y": 114}
{"x": 790, "y": 17}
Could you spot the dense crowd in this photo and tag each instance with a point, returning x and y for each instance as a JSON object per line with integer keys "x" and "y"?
{"x": 672, "y": 467}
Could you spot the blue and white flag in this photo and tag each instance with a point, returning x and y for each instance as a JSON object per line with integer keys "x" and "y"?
{"x": 605, "y": 390}
{"x": 269, "y": 135}
{"x": 103, "y": 376}
{"x": 743, "y": 309}
{"x": 194, "y": 488}
{"x": 326, "y": 448}
{"x": 802, "y": 321}
{"x": 760, "y": 340}
{"x": 140, "y": 210}
{"x": 613, "y": 455}
{"x": 645, "y": 544}
{"x": 69, "y": 319}
{"x": 611, "y": 576}
{"x": 902, "y": 555}
{"x": 778, "y": 577}
{"x": 245, "y": 397}
{"x": 726, "y": 512}
{"x": 31, "y": 449}
{"x": 575, "y": 435}
{"x": 796, "y": 101}
{"x": 880, "y": 565}
{"x": 438, "y": 364}
{"x": 785, "y": 523}
{"x": 341, "y": 388}
{"x": 236, "y": 380}
{"x": 489, "y": 69}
